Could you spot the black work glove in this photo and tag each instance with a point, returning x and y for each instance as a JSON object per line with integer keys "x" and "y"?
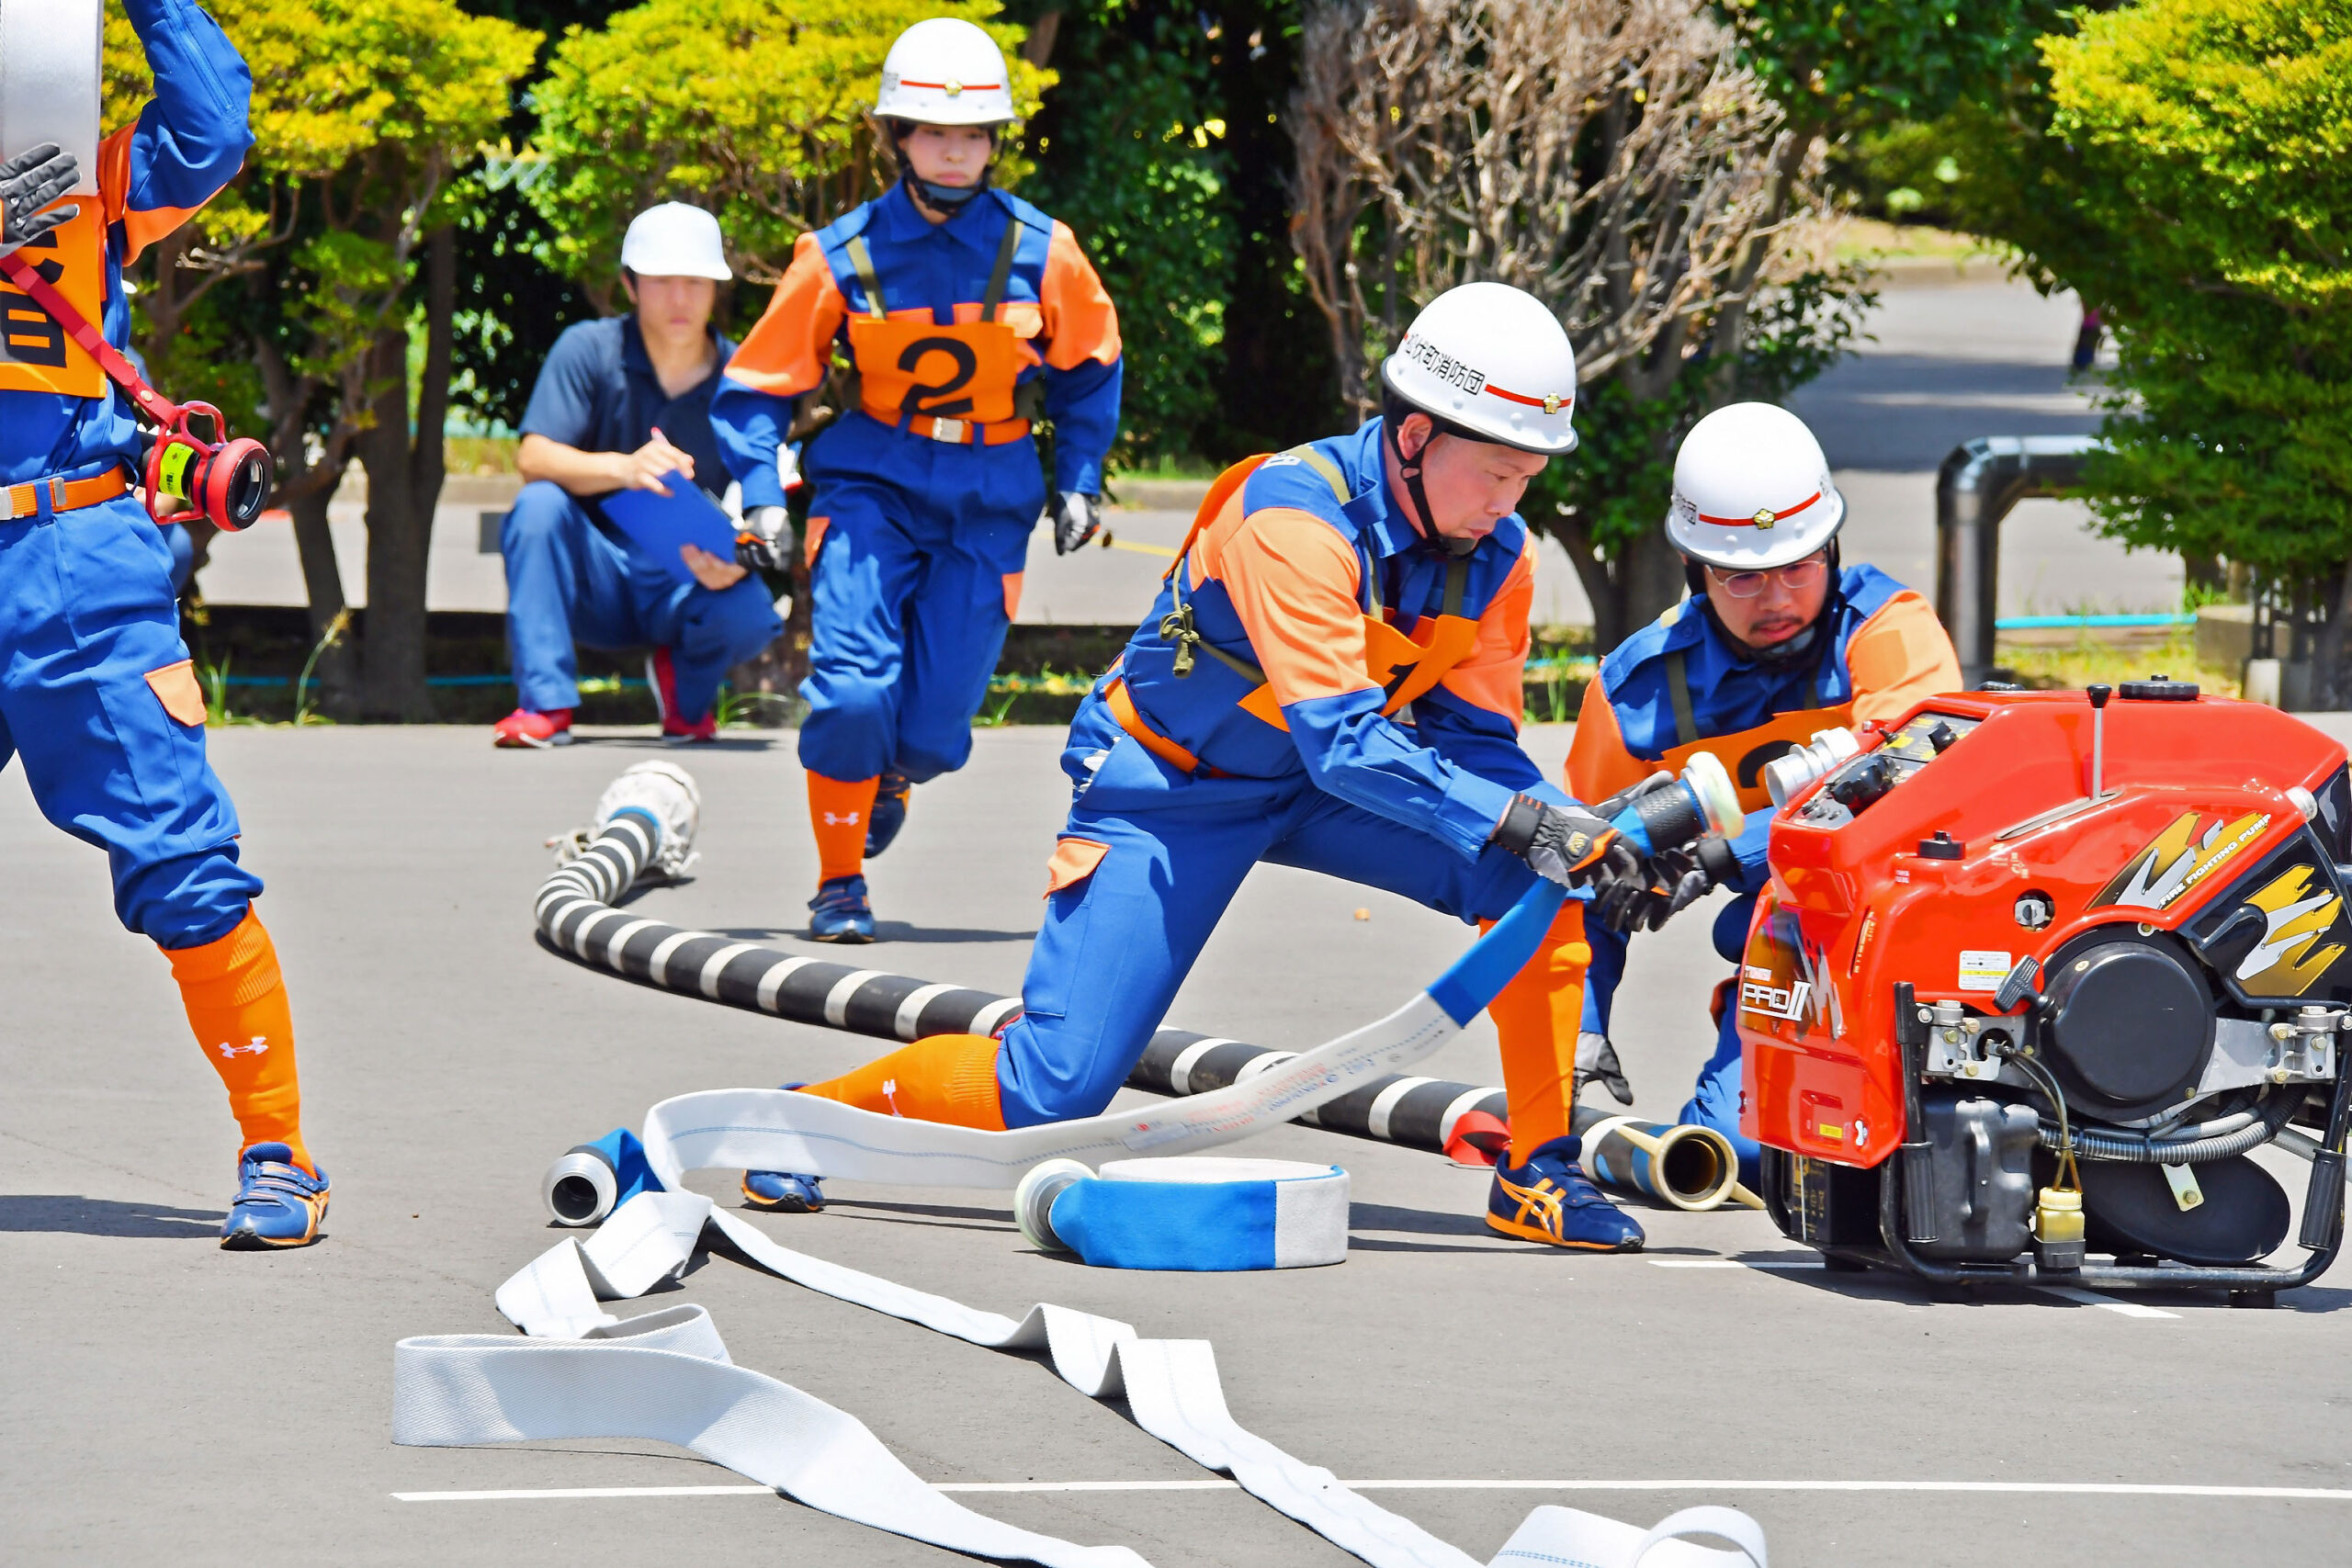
{"x": 1597, "y": 1062}
{"x": 1675, "y": 882}
{"x": 29, "y": 182}
{"x": 764, "y": 542}
{"x": 1568, "y": 844}
{"x": 1076, "y": 517}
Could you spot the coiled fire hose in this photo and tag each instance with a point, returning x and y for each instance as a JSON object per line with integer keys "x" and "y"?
{"x": 645, "y": 827}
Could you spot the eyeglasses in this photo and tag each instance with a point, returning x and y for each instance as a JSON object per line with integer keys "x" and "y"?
{"x": 1802, "y": 574}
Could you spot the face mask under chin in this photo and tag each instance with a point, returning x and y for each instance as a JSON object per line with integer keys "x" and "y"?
{"x": 948, "y": 198}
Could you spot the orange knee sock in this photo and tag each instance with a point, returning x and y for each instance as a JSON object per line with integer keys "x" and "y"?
{"x": 236, "y": 1004}
{"x": 1538, "y": 1016}
{"x": 839, "y": 812}
{"x": 941, "y": 1077}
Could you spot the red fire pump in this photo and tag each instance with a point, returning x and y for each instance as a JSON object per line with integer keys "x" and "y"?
{"x": 2037, "y": 971}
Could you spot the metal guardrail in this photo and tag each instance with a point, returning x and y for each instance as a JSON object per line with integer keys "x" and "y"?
{"x": 1976, "y": 487}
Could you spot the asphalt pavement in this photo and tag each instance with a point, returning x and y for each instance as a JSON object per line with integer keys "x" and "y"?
{"x": 162, "y": 1400}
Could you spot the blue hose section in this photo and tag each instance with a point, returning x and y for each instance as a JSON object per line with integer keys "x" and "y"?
{"x": 1480, "y": 974}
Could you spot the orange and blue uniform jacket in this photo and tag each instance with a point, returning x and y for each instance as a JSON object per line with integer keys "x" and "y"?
{"x": 1283, "y": 581}
{"x": 1182, "y": 783}
{"x": 97, "y": 692}
{"x": 939, "y": 273}
{"x": 924, "y": 495}
{"x": 1882, "y": 650}
{"x": 188, "y": 142}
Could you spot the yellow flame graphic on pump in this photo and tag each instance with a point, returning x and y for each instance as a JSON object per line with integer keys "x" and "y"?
{"x": 2283, "y": 964}
{"x": 2178, "y": 859}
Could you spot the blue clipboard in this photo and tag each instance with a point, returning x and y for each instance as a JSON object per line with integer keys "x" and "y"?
{"x": 656, "y": 525}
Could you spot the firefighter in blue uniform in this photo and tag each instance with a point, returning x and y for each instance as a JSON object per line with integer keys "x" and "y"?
{"x": 1776, "y": 642}
{"x": 97, "y": 695}
{"x": 1330, "y": 679}
{"x": 966, "y": 312}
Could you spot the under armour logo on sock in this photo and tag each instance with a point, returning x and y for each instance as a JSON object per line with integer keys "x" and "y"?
{"x": 891, "y": 1096}
{"x": 833, "y": 821}
{"x": 231, "y": 1053}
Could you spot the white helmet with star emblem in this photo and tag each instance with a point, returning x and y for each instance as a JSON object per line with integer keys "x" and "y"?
{"x": 945, "y": 71}
{"x": 1752, "y": 490}
{"x": 1494, "y": 362}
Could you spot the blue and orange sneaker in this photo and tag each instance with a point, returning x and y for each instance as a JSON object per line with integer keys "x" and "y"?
{"x": 278, "y": 1204}
{"x": 889, "y": 813}
{"x": 1549, "y": 1199}
{"x": 783, "y": 1192}
{"x": 840, "y": 913}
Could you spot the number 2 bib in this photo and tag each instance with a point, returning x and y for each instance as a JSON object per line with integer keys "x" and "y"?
{"x": 965, "y": 371}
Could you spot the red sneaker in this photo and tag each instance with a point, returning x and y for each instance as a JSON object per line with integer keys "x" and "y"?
{"x": 537, "y": 730}
{"x": 663, "y": 679}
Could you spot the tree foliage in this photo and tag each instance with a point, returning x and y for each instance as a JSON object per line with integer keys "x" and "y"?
{"x": 291, "y": 296}
{"x": 2186, "y": 166}
{"x": 1614, "y": 160}
{"x": 1841, "y": 64}
{"x": 755, "y": 110}
{"x": 1130, "y": 154}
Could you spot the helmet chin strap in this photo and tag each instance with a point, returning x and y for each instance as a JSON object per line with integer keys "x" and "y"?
{"x": 945, "y": 199}
{"x": 1409, "y": 470}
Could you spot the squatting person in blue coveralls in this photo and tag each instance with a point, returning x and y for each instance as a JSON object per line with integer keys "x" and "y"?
{"x": 966, "y": 313}
{"x": 1330, "y": 679}
{"x": 97, "y": 695}
{"x": 621, "y": 404}
{"x": 1777, "y": 640}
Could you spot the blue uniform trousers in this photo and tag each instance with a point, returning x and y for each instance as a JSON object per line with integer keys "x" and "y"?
{"x": 566, "y": 583}
{"x": 87, "y": 613}
{"x": 915, "y": 573}
{"x": 1115, "y": 946}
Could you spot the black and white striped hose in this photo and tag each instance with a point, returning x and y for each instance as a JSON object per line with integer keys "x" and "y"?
{"x": 647, "y": 821}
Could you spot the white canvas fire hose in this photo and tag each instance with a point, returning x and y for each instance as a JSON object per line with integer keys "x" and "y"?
{"x": 645, "y": 826}
{"x": 666, "y": 1375}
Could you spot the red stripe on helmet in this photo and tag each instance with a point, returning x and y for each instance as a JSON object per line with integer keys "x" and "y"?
{"x": 1750, "y": 521}
{"x": 960, "y": 87}
{"x": 1549, "y": 405}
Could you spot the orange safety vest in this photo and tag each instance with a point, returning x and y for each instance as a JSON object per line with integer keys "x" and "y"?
{"x": 1746, "y": 750}
{"x": 1402, "y": 668}
{"x": 965, "y": 371}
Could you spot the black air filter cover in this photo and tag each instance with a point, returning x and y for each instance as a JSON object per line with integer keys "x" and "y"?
{"x": 2129, "y": 1208}
{"x": 2130, "y": 1022}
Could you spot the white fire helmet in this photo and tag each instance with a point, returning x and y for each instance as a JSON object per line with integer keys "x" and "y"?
{"x": 1494, "y": 361}
{"x": 945, "y": 71}
{"x": 1752, "y": 490}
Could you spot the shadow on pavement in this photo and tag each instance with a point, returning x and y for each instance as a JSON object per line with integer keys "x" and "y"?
{"x": 105, "y": 1216}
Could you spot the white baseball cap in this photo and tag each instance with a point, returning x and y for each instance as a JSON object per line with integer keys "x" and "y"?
{"x": 675, "y": 240}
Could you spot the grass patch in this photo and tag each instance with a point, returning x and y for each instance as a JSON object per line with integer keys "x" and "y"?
{"x": 2071, "y": 666}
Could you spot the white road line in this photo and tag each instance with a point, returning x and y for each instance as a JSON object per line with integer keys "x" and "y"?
{"x": 2092, "y": 1298}
{"x": 2064, "y": 1488}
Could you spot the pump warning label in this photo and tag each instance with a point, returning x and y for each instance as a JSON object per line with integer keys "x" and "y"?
{"x": 1984, "y": 970}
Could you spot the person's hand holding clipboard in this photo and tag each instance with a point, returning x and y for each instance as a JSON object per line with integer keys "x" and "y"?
{"x": 670, "y": 522}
